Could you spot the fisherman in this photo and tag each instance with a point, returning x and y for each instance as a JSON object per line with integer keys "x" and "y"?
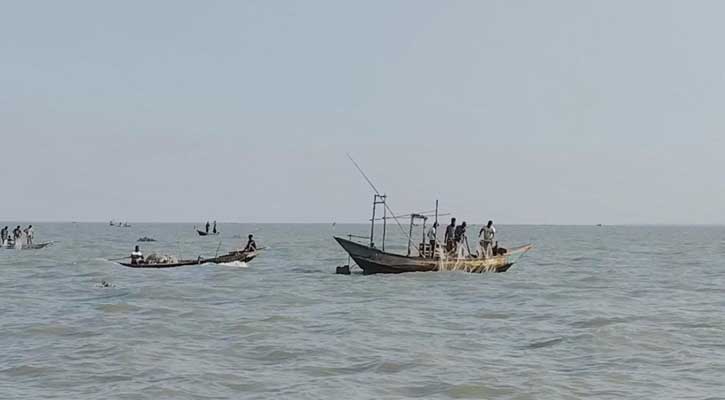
{"x": 432, "y": 234}
{"x": 17, "y": 233}
{"x": 251, "y": 244}
{"x": 214, "y": 230}
{"x": 29, "y": 235}
{"x": 137, "y": 256}
{"x": 3, "y": 235}
{"x": 450, "y": 230}
{"x": 460, "y": 237}
{"x": 207, "y": 226}
{"x": 485, "y": 239}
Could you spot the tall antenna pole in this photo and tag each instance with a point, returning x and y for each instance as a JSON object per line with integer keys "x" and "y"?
{"x": 383, "y": 198}
{"x": 372, "y": 221}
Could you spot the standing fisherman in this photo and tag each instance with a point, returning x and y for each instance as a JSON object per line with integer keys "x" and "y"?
{"x": 460, "y": 237}
{"x": 207, "y": 226}
{"x": 485, "y": 237}
{"x": 29, "y": 235}
{"x": 214, "y": 229}
{"x": 450, "y": 231}
{"x": 3, "y": 235}
{"x": 432, "y": 234}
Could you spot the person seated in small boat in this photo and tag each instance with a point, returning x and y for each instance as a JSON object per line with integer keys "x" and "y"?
{"x": 137, "y": 256}
{"x": 251, "y": 244}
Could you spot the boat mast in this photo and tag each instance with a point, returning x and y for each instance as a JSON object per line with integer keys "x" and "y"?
{"x": 410, "y": 231}
{"x": 378, "y": 199}
{"x": 372, "y": 222}
{"x": 385, "y": 222}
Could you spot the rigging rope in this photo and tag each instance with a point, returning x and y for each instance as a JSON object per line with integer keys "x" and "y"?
{"x": 410, "y": 239}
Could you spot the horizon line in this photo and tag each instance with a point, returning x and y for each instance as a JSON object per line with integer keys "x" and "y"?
{"x": 351, "y": 223}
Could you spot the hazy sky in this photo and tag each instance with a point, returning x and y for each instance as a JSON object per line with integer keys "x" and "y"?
{"x": 522, "y": 111}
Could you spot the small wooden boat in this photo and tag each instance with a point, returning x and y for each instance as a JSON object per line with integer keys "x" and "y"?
{"x": 237, "y": 255}
{"x": 34, "y": 246}
{"x": 204, "y": 233}
{"x": 375, "y": 261}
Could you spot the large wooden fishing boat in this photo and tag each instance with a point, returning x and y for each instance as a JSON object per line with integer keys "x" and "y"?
{"x": 374, "y": 261}
{"x": 238, "y": 255}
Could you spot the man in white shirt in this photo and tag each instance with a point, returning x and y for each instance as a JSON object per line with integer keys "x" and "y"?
{"x": 432, "y": 233}
{"x": 137, "y": 256}
{"x": 29, "y": 235}
{"x": 485, "y": 237}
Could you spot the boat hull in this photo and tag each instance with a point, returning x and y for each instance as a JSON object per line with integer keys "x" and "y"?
{"x": 375, "y": 261}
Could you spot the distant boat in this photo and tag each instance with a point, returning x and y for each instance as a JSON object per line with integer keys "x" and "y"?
{"x": 242, "y": 256}
{"x": 600, "y": 225}
{"x": 204, "y": 233}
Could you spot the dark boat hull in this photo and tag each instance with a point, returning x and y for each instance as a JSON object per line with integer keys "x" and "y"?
{"x": 375, "y": 261}
{"x": 233, "y": 256}
{"x": 203, "y": 233}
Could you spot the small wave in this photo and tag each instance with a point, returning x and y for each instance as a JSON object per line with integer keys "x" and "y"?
{"x": 598, "y": 322}
{"x": 238, "y": 264}
{"x": 545, "y": 343}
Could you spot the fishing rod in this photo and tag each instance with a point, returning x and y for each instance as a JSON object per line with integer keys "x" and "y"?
{"x": 377, "y": 192}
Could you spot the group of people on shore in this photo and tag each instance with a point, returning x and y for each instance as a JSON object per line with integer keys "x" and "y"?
{"x": 456, "y": 240}
{"x": 17, "y": 236}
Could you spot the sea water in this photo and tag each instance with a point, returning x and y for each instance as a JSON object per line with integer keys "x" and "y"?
{"x": 591, "y": 312}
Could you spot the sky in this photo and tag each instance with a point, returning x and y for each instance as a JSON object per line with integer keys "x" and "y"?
{"x": 525, "y": 112}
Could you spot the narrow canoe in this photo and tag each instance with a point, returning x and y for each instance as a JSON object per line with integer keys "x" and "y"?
{"x": 243, "y": 256}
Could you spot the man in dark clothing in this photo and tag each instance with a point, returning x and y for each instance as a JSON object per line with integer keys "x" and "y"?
{"x": 460, "y": 236}
{"x": 207, "y": 226}
{"x": 450, "y": 230}
{"x": 251, "y": 244}
{"x": 460, "y": 232}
